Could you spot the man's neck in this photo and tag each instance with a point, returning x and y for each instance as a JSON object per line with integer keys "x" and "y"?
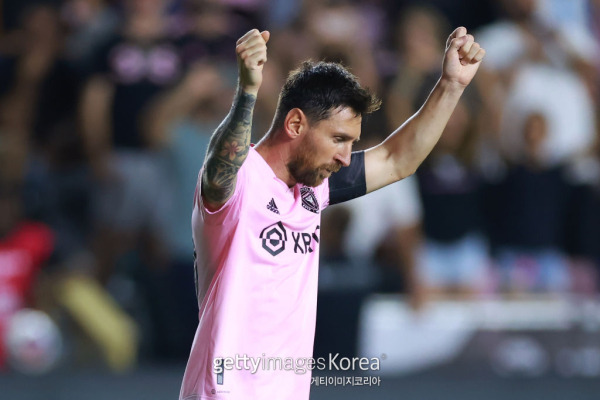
{"x": 277, "y": 155}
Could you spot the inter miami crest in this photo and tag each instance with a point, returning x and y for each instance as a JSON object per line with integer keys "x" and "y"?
{"x": 309, "y": 200}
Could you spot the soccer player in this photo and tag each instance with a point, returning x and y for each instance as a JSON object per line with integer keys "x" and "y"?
{"x": 256, "y": 218}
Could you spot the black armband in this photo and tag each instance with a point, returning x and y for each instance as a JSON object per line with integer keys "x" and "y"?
{"x": 349, "y": 182}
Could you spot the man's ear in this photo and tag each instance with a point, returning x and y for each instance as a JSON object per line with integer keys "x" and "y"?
{"x": 295, "y": 123}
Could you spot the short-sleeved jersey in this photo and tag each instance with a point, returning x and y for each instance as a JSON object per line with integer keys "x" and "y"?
{"x": 261, "y": 251}
{"x": 257, "y": 275}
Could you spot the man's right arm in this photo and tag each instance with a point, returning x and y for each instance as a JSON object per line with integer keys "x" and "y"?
{"x": 229, "y": 145}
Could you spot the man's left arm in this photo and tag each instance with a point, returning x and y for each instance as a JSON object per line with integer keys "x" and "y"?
{"x": 399, "y": 155}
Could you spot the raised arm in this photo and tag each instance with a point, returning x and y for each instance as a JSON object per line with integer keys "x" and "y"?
{"x": 229, "y": 144}
{"x": 399, "y": 155}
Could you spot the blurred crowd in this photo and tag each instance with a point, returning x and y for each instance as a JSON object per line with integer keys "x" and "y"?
{"x": 107, "y": 107}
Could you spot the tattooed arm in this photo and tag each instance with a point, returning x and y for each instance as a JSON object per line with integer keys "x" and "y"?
{"x": 230, "y": 143}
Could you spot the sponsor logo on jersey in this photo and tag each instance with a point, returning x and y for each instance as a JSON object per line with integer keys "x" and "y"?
{"x": 275, "y": 236}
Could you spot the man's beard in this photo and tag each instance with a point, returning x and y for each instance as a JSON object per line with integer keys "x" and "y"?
{"x": 302, "y": 170}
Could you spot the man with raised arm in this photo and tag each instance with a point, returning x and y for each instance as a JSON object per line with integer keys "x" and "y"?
{"x": 256, "y": 218}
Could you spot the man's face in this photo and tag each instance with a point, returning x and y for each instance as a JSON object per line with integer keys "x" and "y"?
{"x": 325, "y": 148}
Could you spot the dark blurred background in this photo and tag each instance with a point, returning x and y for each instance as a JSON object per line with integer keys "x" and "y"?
{"x": 477, "y": 276}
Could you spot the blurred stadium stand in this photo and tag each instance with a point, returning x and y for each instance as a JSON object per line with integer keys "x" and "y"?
{"x": 485, "y": 287}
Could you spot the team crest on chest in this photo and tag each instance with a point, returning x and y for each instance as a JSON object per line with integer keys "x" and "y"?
{"x": 309, "y": 200}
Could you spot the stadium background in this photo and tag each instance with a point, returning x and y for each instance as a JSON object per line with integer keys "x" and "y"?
{"x": 477, "y": 277}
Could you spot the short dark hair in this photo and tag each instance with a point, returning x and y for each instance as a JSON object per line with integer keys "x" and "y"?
{"x": 318, "y": 88}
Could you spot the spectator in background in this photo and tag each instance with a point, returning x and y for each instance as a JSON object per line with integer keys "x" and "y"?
{"x": 331, "y": 26}
{"x": 539, "y": 67}
{"x": 181, "y": 121}
{"x": 129, "y": 70}
{"x": 531, "y": 216}
{"x": 548, "y": 73}
{"x": 39, "y": 86}
{"x": 38, "y": 111}
{"x": 581, "y": 18}
{"x": 45, "y": 157}
{"x": 454, "y": 258}
{"x": 58, "y": 192}
{"x": 91, "y": 22}
{"x": 215, "y": 26}
{"x": 133, "y": 203}
{"x": 420, "y": 38}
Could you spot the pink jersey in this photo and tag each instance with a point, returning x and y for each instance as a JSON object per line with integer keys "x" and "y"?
{"x": 257, "y": 317}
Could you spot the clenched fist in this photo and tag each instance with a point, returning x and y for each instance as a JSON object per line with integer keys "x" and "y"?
{"x": 251, "y": 52}
{"x": 463, "y": 57}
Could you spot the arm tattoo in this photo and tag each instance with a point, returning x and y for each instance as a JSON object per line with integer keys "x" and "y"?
{"x": 227, "y": 150}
